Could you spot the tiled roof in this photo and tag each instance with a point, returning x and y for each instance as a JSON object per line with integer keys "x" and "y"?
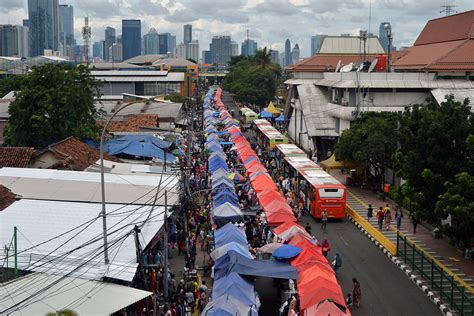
{"x": 323, "y": 63}
{"x": 451, "y": 28}
{"x": 17, "y": 157}
{"x": 77, "y": 154}
{"x": 133, "y": 123}
{"x": 7, "y": 197}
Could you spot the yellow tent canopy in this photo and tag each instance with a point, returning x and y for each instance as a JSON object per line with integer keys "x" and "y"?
{"x": 272, "y": 109}
{"x": 332, "y": 163}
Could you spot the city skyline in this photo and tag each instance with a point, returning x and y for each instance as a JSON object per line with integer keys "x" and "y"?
{"x": 407, "y": 18}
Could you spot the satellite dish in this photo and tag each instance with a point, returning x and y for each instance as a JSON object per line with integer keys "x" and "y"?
{"x": 372, "y": 65}
{"x": 338, "y": 66}
{"x": 347, "y": 68}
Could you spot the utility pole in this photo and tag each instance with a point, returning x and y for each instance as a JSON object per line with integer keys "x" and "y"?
{"x": 448, "y": 9}
{"x": 15, "y": 253}
{"x": 165, "y": 252}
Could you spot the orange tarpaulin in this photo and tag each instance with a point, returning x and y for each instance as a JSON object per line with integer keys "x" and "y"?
{"x": 262, "y": 182}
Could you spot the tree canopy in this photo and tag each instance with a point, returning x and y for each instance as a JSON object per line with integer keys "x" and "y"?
{"x": 55, "y": 101}
{"x": 253, "y": 79}
{"x": 371, "y": 142}
{"x": 10, "y": 83}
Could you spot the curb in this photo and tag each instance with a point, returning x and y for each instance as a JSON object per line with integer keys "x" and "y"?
{"x": 406, "y": 269}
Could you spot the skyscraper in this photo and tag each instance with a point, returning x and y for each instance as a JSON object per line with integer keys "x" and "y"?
{"x": 220, "y": 50}
{"x": 383, "y": 36}
{"x": 131, "y": 38}
{"x": 192, "y": 50}
{"x": 188, "y": 33}
{"x": 295, "y": 54}
{"x": 234, "y": 49}
{"x": 275, "y": 55}
{"x": 14, "y": 40}
{"x": 66, "y": 24}
{"x": 97, "y": 50}
{"x": 151, "y": 42}
{"x": 180, "y": 51}
{"x": 108, "y": 42}
{"x": 166, "y": 42}
{"x": 316, "y": 42}
{"x": 287, "y": 53}
{"x": 43, "y": 19}
{"x": 249, "y": 47}
{"x": 206, "y": 57}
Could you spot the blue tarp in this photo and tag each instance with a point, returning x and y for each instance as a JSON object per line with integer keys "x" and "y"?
{"x": 234, "y": 262}
{"x": 227, "y": 305}
{"x": 158, "y": 142}
{"x": 235, "y": 286}
{"x": 139, "y": 149}
{"x": 266, "y": 114}
{"x": 226, "y": 143}
{"x": 281, "y": 118}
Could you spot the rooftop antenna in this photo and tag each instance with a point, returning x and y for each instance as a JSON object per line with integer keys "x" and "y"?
{"x": 369, "y": 30}
{"x": 448, "y": 9}
{"x": 86, "y": 36}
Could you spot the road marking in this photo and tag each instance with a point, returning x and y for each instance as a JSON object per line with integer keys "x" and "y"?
{"x": 344, "y": 241}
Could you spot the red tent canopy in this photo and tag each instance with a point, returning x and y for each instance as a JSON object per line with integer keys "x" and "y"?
{"x": 276, "y": 206}
{"x": 284, "y": 227}
{"x": 326, "y": 308}
{"x": 313, "y": 294}
{"x": 275, "y": 219}
{"x": 316, "y": 284}
{"x": 262, "y": 182}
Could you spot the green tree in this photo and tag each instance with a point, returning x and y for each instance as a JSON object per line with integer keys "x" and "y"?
{"x": 434, "y": 148}
{"x": 10, "y": 83}
{"x": 55, "y": 101}
{"x": 458, "y": 201}
{"x": 371, "y": 142}
{"x": 254, "y": 79}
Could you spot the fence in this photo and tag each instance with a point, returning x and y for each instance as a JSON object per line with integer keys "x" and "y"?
{"x": 450, "y": 287}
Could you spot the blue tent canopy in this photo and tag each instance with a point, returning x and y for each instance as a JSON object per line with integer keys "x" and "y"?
{"x": 221, "y": 194}
{"x": 236, "y": 286}
{"x": 227, "y": 305}
{"x": 217, "y": 159}
{"x": 215, "y": 147}
{"x": 226, "y": 199}
{"x": 218, "y": 164}
{"x": 232, "y": 246}
{"x": 286, "y": 252}
{"x": 281, "y": 118}
{"x": 223, "y": 189}
{"x": 229, "y": 233}
{"x": 134, "y": 148}
{"x": 235, "y": 262}
{"x": 158, "y": 142}
{"x": 223, "y": 133}
{"x": 266, "y": 114}
{"x": 223, "y": 182}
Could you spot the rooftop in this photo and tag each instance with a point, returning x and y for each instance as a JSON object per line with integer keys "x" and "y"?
{"x": 350, "y": 45}
{"x": 7, "y": 197}
{"x": 15, "y": 156}
{"x": 174, "y": 62}
{"x": 323, "y": 63}
{"x": 145, "y": 59}
{"x": 76, "y": 154}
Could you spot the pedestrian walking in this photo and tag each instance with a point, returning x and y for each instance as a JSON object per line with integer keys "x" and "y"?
{"x": 349, "y": 300}
{"x": 337, "y": 263}
{"x": 380, "y": 215}
{"x": 398, "y": 217}
{"x": 370, "y": 212}
{"x": 387, "y": 218}
{"x": 308, "y": 228}
{"x": 415, "y": 223}
{"x": 325, "y": 248}
{"x": 324, "y": 220}
{"x": 356, "y": 292}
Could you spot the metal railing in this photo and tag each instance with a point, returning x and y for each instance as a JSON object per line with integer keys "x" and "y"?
{"x": 450, "y": 287}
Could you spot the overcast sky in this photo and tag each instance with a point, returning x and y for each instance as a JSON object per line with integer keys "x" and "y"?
{"x": 270, "y": 22}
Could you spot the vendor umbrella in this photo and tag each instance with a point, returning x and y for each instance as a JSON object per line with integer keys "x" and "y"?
{"x": 286, "y": 252}
{"x": 269, "y": 248}
{"x": 236, "y": 177}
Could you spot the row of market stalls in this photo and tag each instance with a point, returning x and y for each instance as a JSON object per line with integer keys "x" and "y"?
{"x": 318, "y": 289}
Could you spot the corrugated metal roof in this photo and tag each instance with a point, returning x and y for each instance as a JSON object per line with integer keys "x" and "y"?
{"x": 162, "y": 109}
{"x": 126, "y": 73}
{"x": 171, "y": 77}
{"x": 459, "y": 94}
{"x": 350, "y": 45}
{"x": 40, "y": 221}
{"x": 85, "y": 297}
{"x": 134, "y": 189}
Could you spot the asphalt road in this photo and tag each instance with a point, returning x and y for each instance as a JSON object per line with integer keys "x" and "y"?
{"x": 386, "y": 290}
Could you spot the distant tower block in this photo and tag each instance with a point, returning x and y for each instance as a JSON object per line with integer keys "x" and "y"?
{"x": 86, "y": 36}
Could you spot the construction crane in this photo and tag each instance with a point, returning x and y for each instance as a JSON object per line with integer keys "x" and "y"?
{"x": 86, "y": 36}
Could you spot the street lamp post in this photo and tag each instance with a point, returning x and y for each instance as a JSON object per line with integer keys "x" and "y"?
{"x": 102, "y": 176}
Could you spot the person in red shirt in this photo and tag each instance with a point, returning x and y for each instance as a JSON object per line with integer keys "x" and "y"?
{"x": 380, "y": 215}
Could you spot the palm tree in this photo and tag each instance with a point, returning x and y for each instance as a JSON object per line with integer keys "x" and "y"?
{"x": 263, "y": 58}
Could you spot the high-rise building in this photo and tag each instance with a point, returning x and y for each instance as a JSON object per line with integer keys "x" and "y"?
{"x": 295, "y": 54}
{"x": 282, "y": 60}
{"x": 287, "y": 53}
{"x": 180, "y": 51}
{"x": 316, "y": 42}
{"x": 43, "y": 19}
{"x": 206, "y": 57}
{"x": 151, "y": 42}
{"x": 384, "y": 37}
{"x": 220, "y": 50}
{"x": 275, "y": 55}
{"x": 26, "y": 23}
{"x": 188, "y": 33}
{"x": 97, "y": 51}
{"x": 108, "y": 42}
{"x": 249, "y": 47}
{"x": 14, "y": 40}
{"x": 234, "y": 49}
{"x": 167, "y": 43}
{"x": 192, "y": 50}
{"x": 131, "y": 38}
{"x": 116, "y": 52}
{"x": 66, "y": 24}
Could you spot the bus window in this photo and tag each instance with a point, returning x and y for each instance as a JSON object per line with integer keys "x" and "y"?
{"x": 331, "y": 193}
